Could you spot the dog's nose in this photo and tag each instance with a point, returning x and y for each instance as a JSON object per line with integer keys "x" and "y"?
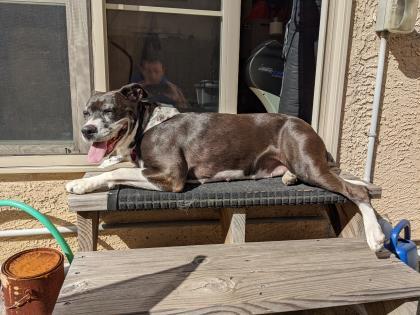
{"x": 89, "y": 130}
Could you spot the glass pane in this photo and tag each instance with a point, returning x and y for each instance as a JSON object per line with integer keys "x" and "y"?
{"x": 34, "y": 73}
{"x": 278, "y": 53}
{"x": 175, "y": 56}
{"x": 181, "y": 4}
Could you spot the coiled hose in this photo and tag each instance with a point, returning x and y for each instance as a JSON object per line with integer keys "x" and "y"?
{"x": 45, "y": 221}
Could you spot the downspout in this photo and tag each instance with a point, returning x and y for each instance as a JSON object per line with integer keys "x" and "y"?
{"x": 375, "y": 107}
{"x": 37, "y": 231}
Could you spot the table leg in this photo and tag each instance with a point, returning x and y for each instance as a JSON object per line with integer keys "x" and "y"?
{"x": 233, "y": 225}
{"x": 351, "y": 221}
{"x": 332, "y": 215}
{"x": 87, "y": 230}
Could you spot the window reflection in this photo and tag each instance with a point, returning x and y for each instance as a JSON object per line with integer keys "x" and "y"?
{"x": 175, "y": 56}
{"x": 150, "y": 72}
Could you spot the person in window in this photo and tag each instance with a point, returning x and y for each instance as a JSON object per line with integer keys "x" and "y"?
{"x": 152, "y": 77}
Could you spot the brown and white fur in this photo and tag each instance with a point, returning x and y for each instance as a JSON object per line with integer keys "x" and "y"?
{"x": 174, "y": 148}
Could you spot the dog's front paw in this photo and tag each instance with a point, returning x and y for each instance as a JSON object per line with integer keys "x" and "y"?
{"x": 78, "y": 186}
{"x": 375, "y": 237}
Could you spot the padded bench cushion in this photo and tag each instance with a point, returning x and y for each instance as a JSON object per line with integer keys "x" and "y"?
{"x": 264, "y": 192}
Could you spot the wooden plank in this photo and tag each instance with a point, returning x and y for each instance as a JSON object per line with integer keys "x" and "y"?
{"x": 96, "y": 201}
{"x": 8, "y": 148}
{"x": 351, "y": 221}
{"x": 87, "y": 230}
{"x": 331, "y": 214}
{"x": 43, "y": 160}
{"x": 45, "y": 170}
{"x": 250, "y": 278}
{"x": 233, "y": 225}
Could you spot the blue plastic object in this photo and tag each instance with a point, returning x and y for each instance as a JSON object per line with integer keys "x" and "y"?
{"x": 404, "y": 248}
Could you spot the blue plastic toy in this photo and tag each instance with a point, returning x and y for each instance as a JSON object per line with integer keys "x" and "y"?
{"x": 404, "y": 248}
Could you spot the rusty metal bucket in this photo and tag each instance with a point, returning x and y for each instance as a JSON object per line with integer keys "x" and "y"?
{"x": 31, "y": 281}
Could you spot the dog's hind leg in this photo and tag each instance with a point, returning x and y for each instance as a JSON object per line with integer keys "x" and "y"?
{"x": 358, "y": 194}
{"x": 307, "y": 158}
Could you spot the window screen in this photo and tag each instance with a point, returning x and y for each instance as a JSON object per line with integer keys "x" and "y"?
{"x": 34, "y": 73}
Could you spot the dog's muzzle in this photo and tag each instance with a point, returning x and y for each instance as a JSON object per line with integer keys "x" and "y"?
{"x": 89, "y": 131}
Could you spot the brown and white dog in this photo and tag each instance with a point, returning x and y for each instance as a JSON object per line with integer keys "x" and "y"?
{"x": 174, "y": 148}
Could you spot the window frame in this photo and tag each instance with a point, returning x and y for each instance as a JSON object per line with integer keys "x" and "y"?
{"x": 329, "y": 97}
{"x": 80, "y": 82}
{"x": 333, "y": 53}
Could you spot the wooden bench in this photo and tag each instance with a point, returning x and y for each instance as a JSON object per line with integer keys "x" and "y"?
{"x": 250, "y": 278}
{"x": 231, "y": 198}
{"x": 333, "y": 276}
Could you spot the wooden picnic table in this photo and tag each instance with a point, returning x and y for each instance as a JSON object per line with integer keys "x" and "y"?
{"x": 328, "y": 276}
{"x": 249, "y": 278}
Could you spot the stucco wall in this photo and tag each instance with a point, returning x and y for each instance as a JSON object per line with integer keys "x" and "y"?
{"x": 397, "y": 167}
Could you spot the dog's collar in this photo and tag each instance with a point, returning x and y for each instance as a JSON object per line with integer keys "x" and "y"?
{"x": 152, "y": 115}
{"x": 133, "y": 155}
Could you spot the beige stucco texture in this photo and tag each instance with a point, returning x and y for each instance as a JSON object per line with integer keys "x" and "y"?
{"x": 397, "y": 159}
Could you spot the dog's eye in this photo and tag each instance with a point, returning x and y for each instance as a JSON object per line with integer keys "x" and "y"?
{"x": 85, "y": 113}
{"x": 108, "y": 111}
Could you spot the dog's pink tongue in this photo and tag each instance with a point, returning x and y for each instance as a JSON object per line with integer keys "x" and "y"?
{"x": 96, "y": 152}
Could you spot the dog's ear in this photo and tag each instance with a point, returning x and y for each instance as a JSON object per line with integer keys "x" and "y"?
{"x": 133, "y": 91}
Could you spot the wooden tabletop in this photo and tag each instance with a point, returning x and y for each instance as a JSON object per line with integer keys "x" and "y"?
{"x": 251, "y": 278}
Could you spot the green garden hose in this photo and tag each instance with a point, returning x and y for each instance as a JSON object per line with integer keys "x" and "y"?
{"x": 45, "y": 221}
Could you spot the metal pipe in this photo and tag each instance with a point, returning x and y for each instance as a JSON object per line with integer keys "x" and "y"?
{"x": 104, "y": 226}
{"x": 37, "y": 231}
{"x": 375, "y": 107}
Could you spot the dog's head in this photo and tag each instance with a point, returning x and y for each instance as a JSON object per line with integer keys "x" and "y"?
{"x": 110, "y": 118}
